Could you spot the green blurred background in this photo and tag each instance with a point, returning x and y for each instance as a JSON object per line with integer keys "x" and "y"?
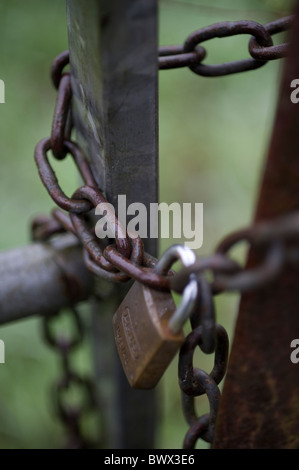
{"x": 213, "y": 138}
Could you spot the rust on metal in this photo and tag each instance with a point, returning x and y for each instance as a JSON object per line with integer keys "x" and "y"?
{"x": 195, "y": 339}
{"x": 172, "y": 57}
{"x": 260, "y": 401}
{"x": 49, "y": 178}
{"x": 145, "y": 275}
{"x": 71, "y": 414}
{"x": 261, "y": 47}
{"x": 95, "y": 197}
{"x": 259, "y": 52}
{"x": 114, "y": 152}
{"x": 57, "y": 67}
{"x": 61, "y": 127}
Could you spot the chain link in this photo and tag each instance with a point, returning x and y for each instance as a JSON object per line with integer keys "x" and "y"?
{"x": 211, "y": 338}
{"x": 126, "y": 258}
{"x": 71, "y": 382}
{"x": 70, "y": 414}
{"x": 260, "y": 47}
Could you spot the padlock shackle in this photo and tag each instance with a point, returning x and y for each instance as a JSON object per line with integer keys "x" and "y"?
{"x": 186, "y": 306}
{"x": 190, "y": 293}
{"x": 173, "y": 254}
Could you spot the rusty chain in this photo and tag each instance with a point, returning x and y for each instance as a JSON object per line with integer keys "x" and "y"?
{"x": 261, "y": 47}
{"x": 71, "y": 383}
{"x": 71, "y": 414}
{"x": 195, "y": 382}
{"x": 126, "y": 259}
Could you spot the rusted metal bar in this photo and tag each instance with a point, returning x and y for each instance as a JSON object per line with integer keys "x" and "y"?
{"x": 113, "y": 56}
{"x": 42, "y": 278}
{"x": 260, "y": 401}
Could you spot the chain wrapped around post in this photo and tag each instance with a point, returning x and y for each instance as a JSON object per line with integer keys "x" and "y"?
{"x": 124, "y": 257}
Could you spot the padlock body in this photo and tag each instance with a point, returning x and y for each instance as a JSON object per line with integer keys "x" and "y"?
{"x": 144, "y": 341}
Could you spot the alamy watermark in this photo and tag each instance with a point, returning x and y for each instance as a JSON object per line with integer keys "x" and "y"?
{"x": 295, "y": 353}
{"x": 2, "y": 352}
{"x": 181, "y": 221}
{"x": 295, "y": 93}
{"x": 294, "y": 96}
{"x": 2, "y": 91}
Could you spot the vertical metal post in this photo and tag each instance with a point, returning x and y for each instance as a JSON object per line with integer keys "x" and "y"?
{"x": 113, "y": 56}
{"x": 260, "y": 401}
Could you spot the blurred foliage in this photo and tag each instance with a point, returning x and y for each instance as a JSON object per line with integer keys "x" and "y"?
{"x": 213, "y": 137}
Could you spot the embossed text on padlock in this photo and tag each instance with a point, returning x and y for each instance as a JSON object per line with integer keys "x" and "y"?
{"x": 144, "y": 341}
{"x": 148, "y": 326}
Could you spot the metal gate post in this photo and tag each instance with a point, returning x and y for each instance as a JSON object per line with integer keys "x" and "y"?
{"x": 113, "y": 57}
{"x": 260, "y": 400}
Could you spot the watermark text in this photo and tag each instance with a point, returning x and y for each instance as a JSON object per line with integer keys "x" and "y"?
{"x": 295, "y": 93}
{"x": 2, "y": 91}
{"x": 295, "y": 353}
{"x": 181, "y": 221}
{"x": 2, "y": 352}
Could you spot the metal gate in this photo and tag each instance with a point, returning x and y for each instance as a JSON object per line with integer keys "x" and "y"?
{"x": 106, "y": 119}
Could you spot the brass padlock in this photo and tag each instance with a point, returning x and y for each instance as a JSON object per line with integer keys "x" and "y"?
{"x": 146, "y": 337}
